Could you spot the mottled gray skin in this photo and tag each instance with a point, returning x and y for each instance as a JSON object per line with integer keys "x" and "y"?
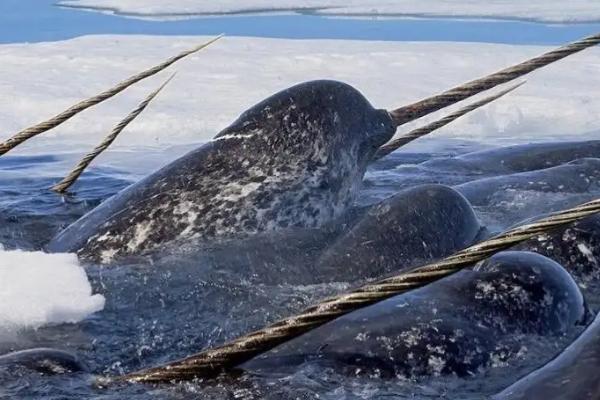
{"x": 461, "y": 325}
{"x": 414, "y": 226}
{"x": 519, "y": 158}
{"x": 577, "y": 248}
{"x": 573, "y": 375}
{"x": 295, "y": 160}
{"x": 43, "y": 360}
{"x": 579, "y": 176}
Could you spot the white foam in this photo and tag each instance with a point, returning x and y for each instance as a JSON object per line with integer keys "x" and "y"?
{"x": 38, "y": 289}
{"x": 540, "y": 10}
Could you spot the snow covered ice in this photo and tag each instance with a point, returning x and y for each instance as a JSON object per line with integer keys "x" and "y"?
{"x": 538, "y": 10}
{"x": 214, "y": 86}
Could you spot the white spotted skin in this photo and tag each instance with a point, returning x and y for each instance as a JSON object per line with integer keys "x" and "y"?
{"x": 295, "y": 160}
{"x": 465, "y": 325}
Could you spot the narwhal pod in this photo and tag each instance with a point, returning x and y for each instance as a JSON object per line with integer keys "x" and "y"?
{"x": 460, "y": 325}
{"x": 296, "y": 159}
{"x": 43, "y": 360}
{"x": 573, "y": 375}
{"x": 415, "y": 225}
{"x": 579, "y": 176}
{"x": 518, "y": 158}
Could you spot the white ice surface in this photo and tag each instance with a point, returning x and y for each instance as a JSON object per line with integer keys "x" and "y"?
{"x": 37, "y": 289}
{"x": 214, "y": 86}
{"x": 539, "y": 10}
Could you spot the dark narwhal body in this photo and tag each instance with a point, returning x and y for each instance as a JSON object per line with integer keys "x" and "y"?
{"x": 578, "y": 176}
{"x": 296, "y": 159}
{"x": 43, "y": 360}
{"x": 573, "y": 375}
{"x": 414, "y": 226}
{"x": 460, "y": 325}
{"x": 519, "y": 158}
{"x": 577, "y": 248}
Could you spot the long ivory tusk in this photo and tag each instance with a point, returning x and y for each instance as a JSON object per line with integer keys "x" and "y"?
{"x": 53, "y": 122}
{"x": 421, "y": 108}
{"x": 70, "y": 179}
{"x": 395, "y": 144}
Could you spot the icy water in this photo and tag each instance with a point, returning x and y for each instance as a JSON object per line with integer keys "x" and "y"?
{"x": 41, "y": 20}
{"x": 179, "y": 302}
{"x": 182, "y": 301}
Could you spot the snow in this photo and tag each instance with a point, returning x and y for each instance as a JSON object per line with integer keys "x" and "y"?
{"x": 37, "y": 289}
{"x": 539, "y": 10}
{"x": 214, "y": 86}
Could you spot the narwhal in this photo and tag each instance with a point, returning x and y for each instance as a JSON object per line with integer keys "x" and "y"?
{"x": 43, "y": 360}
{"x": 296, "y": 159}
{"x": 571, "y": 375}
{"x": 460, "y": 325}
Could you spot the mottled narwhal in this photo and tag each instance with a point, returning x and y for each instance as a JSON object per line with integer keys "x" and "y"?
{"x": 572, "y": 375}
{"x": 462, "y": 325}
{"x": 297, "y": 159}
{"x": 43, "y": 360}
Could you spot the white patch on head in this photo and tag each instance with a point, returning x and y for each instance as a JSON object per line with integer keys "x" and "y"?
{"x": 235, "y": 136}
{"x": 361, "y": 337}
{"x": 485, "y": 289}
{"x": 236, "y": 191}
{"x": 587, "y": 252}
{"x": 186, "y": 209}
{"x": 249, "y": 188}
{"x": 436, "y": 364}
{"x": 103, "y": 238}
{"x": 141, "y": 233}
{"x": 239, "y": 135}
{"x": 106, "y": 256}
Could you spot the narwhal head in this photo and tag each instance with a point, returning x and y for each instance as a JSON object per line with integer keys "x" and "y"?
{"x": 316, "y": 121}
{"x": 314, "y": 140}
{"x": 304, "y": 150}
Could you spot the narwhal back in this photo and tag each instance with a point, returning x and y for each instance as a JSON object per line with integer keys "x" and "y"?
{"x": 293, "y": 160}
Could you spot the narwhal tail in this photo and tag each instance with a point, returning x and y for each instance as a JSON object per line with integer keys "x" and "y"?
{"x": 416, "y": 110}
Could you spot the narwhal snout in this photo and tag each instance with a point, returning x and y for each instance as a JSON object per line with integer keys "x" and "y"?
{"x": 381, "y": 129}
